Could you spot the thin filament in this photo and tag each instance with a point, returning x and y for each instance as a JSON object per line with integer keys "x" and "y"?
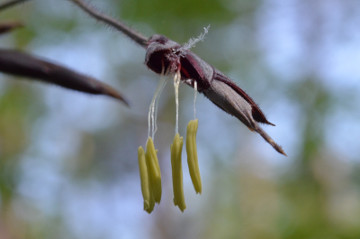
{"x": 152, "y": 115}
{"x": 162, "y": 84}
{"x": 195, "y": 95}
{"x": 137, "y": 37}
{"x": 176, "y": 86}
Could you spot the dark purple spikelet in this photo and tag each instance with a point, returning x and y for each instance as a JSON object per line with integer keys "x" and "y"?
{"x": 217, "y": 87}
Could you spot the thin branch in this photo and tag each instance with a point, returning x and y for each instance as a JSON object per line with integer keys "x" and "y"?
{"x": 137, "y": 37}
{"x": 11, "y": 3}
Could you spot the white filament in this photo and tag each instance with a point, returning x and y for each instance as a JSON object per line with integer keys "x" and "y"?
{"x": 153, "y": 108}
{"x": 176, "y": 86}
{"x": 195, "y": 95}
{"x": 162, "y": 86}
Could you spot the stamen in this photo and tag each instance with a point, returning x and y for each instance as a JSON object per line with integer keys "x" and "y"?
{"x": 177, "y": 175}
{"x": 191, "y": 152}
{"x": 152, "y": 163}
{"x": 149, "y": 201}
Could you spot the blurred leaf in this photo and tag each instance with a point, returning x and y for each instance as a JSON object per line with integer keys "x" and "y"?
{"x": 9, "y": 26}
{"x": 22, "y": 64}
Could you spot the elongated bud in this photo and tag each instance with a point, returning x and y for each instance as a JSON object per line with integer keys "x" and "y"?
{"x": 149, "y": 201}
{"x": 177, "y": 175}
{"x": 152, "y": 164}
{"x": 191, "y": 152}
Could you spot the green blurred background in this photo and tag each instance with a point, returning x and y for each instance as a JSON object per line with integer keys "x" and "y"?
{"x": 68, "y": 161}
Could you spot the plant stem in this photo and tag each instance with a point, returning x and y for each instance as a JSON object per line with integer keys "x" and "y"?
{"x": 135, "y": 36}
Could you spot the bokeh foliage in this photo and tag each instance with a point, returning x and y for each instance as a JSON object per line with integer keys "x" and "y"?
{"x": 68, "y": 162}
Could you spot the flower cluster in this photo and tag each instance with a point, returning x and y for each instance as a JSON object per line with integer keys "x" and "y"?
{"x": 149, "y": 168}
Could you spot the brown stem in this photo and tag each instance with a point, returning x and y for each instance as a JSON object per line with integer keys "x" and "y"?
{"x": 137, "y": 37}
{"x": 270, "y": 140}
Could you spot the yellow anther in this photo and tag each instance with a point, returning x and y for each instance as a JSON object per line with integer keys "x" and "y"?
{"x": 149, "y": 201}
{"x": 191, "y": 152}
{"x": 177, "y": 175}
{"x": 152, "y": 164}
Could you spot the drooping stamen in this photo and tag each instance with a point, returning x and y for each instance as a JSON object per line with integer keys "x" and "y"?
{"x": 146, "y": 189}
{"x": 192, "y": 157}
{"x": 152, "y": 163}
{"x": 177, "y": 174}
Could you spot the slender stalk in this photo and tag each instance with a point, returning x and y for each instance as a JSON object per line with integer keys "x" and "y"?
{"x": 177, "y": 79}
{"x": 135, "y": 36}
{"x": 11, "y": 3}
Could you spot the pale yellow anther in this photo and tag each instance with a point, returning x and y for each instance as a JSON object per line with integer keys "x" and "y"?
{"x": 149, "y": 201}
{"x": 177, "y": 175}
{"x": 153, "y": 166}
{"x": 191, "y": 152}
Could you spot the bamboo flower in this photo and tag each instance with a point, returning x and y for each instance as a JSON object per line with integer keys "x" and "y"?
{"x": 191, "y": 152}
{"x": 177, "y": 176}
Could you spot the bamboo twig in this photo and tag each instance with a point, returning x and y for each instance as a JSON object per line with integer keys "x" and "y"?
{"x": 135, "y": 36}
